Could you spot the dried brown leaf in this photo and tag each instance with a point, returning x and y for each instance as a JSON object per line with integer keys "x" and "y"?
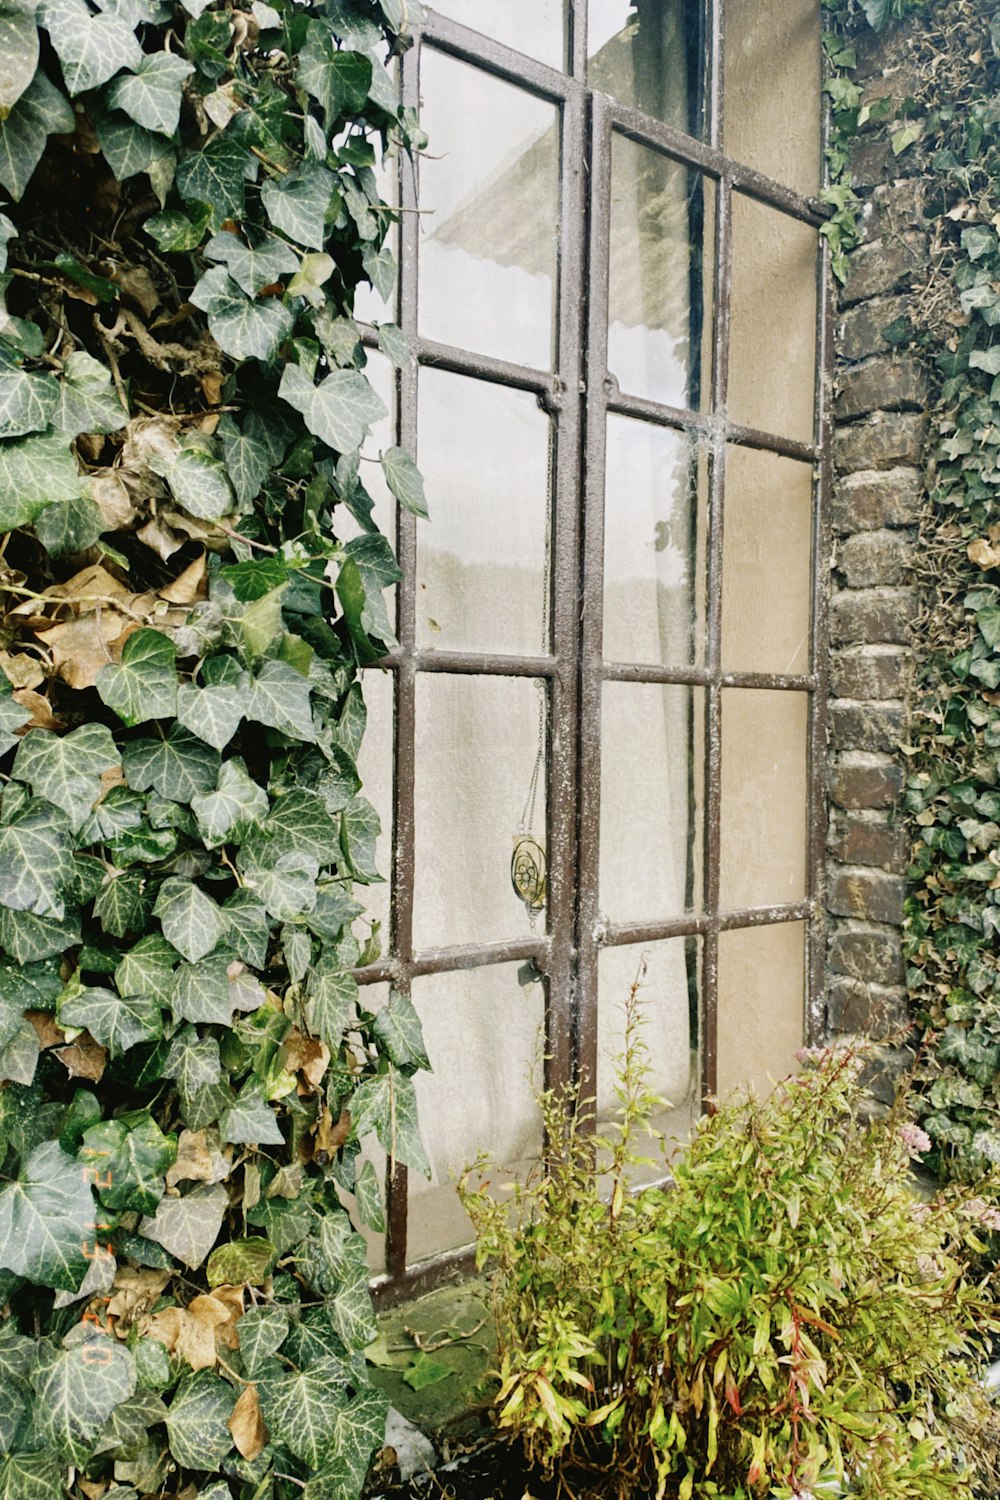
{"x": 48, "y": 1033}
{"x": 84, "y": 1058}
{"x": 247, "y": 1425}
{"x": 199, "y": 1159}
{"x": 189, "y": 586}
{"x": 42, "y": 714}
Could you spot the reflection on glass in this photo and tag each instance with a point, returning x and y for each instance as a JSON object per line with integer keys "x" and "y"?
{"x": 657, "y": 293}
{"x": 375, "y": 770}
{"x": 481, "y": 576}
{"x": 761, "y": 1004}
{"x": 480, "y": 786}
{"x": 534, "y": 27}
{"x": 772, "y": 349}
{"x": 767, "y": 569}
{"x": 668, "y": 975}
{"x": 773, "y": 71}
{"x": 483, "y": 1030}
{"x": 489, "y": 196}
{"x": 650, "y": 796}
{"x": 765, "y": 756}
{"x": 649, "y": 54}
{"x": 653, "y": 545}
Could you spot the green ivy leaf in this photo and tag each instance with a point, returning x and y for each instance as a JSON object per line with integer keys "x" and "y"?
{"x": 287, "y": 888}
{"x": 67, "y": 769}
{"x": 279, "y": 698}
{"x": 197, "y": 479}
{"x": 242, "y": 328}
{"x": 358, "y": 1429}
{"x": 217, "y": 175}
{"x": 36, "y": 862}
{"x": 90, "y": 48}
{"x": 191, "y": 921}
{"x": 249, "y": 934}
{"x": 196, "y": 1421}
{"x": 129, "y": 1156}
{"x": 188, "y": 1227}
{"x": 262, "y": 1330}
{"x": 47, "y": 1219}
{"x": 121, "y": 905}
{"x": 246, "y": 1262}
{"x": 18, "y": 51}
{"x": 88, "y": 402}
{"x": 40, "y": 112}
{"x": 300, "y": 1408}
{"x": 116, "y": 1023}
{"x": 368, "y": 1197}
{"x": 128, "y": 149}
{"x": 35, "y": 472}
{"x": 297, "y": 204}
{"x": 398, "y": 1028}
{"x": 148, "y": 969}
{"x": 13, "y": 716}
{"x": 212, "y": 713}
{"x": 329, "y": 1004}
{"x": 26, "y": 401}
{"x": 337, "y": 79}
{"x": 174, "y": 231}
{"x": 248, "y": 464}
{"x": 29, "y": 938}
{"x": 178, "y": 767}
{"x": 30, "y": 1476}
{"x": 152, "y": 93}
{"x": 69, "y": 526}
{"x": 339, "y": 410}
{"x": 144, "y": 685}
{"x": 236, "y": 805}
{"x": 404, "y": 479}
{"x": 202, "y": 991}
{"x": 252, "y": 266}
{"x": 360, "y": 827}
{"x": 250, "y": 1120}
{"x": 193, "y": 1060}
{"x": 387, "y": 1105}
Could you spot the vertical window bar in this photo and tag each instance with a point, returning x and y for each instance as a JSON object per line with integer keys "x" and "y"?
{"x": 715, "y": 65}
{"x": 564, "y": 593}
{"x": 576, "y": 39}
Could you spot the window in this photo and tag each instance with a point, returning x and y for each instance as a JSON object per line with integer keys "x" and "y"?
{"x": 600, "y": 737}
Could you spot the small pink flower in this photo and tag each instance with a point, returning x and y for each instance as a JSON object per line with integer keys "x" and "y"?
{"x": 811, "y": 1057}
{"x": 914, "y": 1139}
{"x": 984, "y": 1213}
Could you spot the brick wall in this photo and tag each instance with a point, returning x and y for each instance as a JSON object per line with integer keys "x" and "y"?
{"x": 878, "y": 490}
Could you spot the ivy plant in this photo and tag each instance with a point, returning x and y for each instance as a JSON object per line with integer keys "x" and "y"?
{"x": 190, "y": 580}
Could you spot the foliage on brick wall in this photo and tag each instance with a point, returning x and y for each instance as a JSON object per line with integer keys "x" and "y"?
{"x": 949, "y": 129}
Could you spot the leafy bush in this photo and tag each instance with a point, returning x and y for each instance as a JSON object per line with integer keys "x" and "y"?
{"x": 786, "y": 1320}
{"x": 188, "y": 1070}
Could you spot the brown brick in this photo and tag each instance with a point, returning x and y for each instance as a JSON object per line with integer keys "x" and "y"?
{"x": 875, "y": 498}
{"x": 873, "y": 616}
{"x": 861, "y": 329}
{"x": 868, "y": 839}
{"x": 870, "y": 895}
{"x": 894, "y": 207}
{"x": 883, "y": 441}
{"x": 869, "y": 672}
{"x": 871, "y": 954}
{"x": 874, "y": 557}
{"x": 884, "y": 266}
{"x": 865, "y": 1009}
{"x": 889, "y": 382}
{"x": 860, "y": 779}
{"x": 865, "y": 726}
{"x": 871, "y": 160}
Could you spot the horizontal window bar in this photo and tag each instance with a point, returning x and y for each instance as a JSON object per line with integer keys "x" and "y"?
{"x": 474, "y": 664}
{"x": 485, "y": 367}
{"x": 617, "y": 935}
{"x": 424, "y": 1276}
{"x": 623, "y": 671}
{"x": 446, "y": 960}
{"x": 704, "y": 425}
{"x": 485, "y": 52}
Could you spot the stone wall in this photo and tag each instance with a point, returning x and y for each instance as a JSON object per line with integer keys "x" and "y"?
{"x": 881, "y": 430}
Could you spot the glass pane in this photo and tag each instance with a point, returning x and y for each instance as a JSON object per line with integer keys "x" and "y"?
{"x": 654, "y": 545}
{"x": 650, "y": 55}
{"x": 531, "y": 26}
{"x": 481, "y": 575}
{"x": 765, "y": 757}
{"x": 660, "y": 284}
{"x": 767, "y": 563}
{"x": 369, "y": 305}
{"x": 483, "y": 1031}
{"x": 772, "y": 352}
{"x": 761, "y": 1004}
{"x": 772, "y": 95}
{"x": 489, "y": 198}
{"x": 375, "y": 770}
{"x": 668, "y": 975}
{"x": 480, "y": 790}
{"x": 650, "y": 800}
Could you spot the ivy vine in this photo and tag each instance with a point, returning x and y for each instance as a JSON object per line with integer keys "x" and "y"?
{"x": 187, "y": 1068}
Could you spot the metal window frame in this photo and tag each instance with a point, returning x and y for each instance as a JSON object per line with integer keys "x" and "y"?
{"x": 579, "y": 395}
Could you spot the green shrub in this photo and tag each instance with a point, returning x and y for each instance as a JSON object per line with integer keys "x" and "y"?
{"x": 788, "y": 1319}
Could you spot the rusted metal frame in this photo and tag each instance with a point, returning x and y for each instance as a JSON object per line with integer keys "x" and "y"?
{"x": 485, "y": 367}
{"x": 815, "y": 1017}
{"x": 485, "y": 52}
{"x": 715, "y": 74}
{"x": 670, "y": 141}
{"x": 624, "y": 934}
{"x": 708, "y": 1037}
{"x": 706, "y": 426}
{"x": 623, "y": 671}
{"x": 461, "y": 956}
{"x": 588, "y": 920}
{"x": 576, "y": 39}
{"x": 423, "y": 1277}
{"x": 466, "y": 663}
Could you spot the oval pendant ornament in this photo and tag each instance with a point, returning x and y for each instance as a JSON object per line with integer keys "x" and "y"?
{"x": 527, "y": 872}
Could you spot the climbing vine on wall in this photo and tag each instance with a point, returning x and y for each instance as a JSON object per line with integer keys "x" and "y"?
{"x": 951, "y": 127}
{"x": 190, "y": 202}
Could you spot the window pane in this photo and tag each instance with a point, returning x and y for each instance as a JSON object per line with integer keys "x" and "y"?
{"x": 654, "y": 545}
{"x": 375, "y": 770}
{"x": 489, "y": 198}
{"x": 772, "y": 352}
{"x": 668, "y": 999}
{"x": 369, "y": 305}
{"x": 772, "y": 62}
{"x": 761, "y": 1003}
{"x": 764, "y": 765}
{"x": 767, "y": 563}
{"x": 483, "y": 1031}
{"x": 531, "y": 26}
{"x": 650, "y": 54}
{"x": 480, "y": 787}
{"x": 660, "y": 288}
{"x": 650, "y": 798}
{"x": 481, "y": 573}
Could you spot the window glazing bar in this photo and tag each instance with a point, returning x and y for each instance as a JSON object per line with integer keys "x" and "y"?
{"x": 484, "y": 51}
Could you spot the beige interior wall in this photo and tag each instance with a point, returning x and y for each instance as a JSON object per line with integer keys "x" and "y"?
{"x": 771, "y": 119}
